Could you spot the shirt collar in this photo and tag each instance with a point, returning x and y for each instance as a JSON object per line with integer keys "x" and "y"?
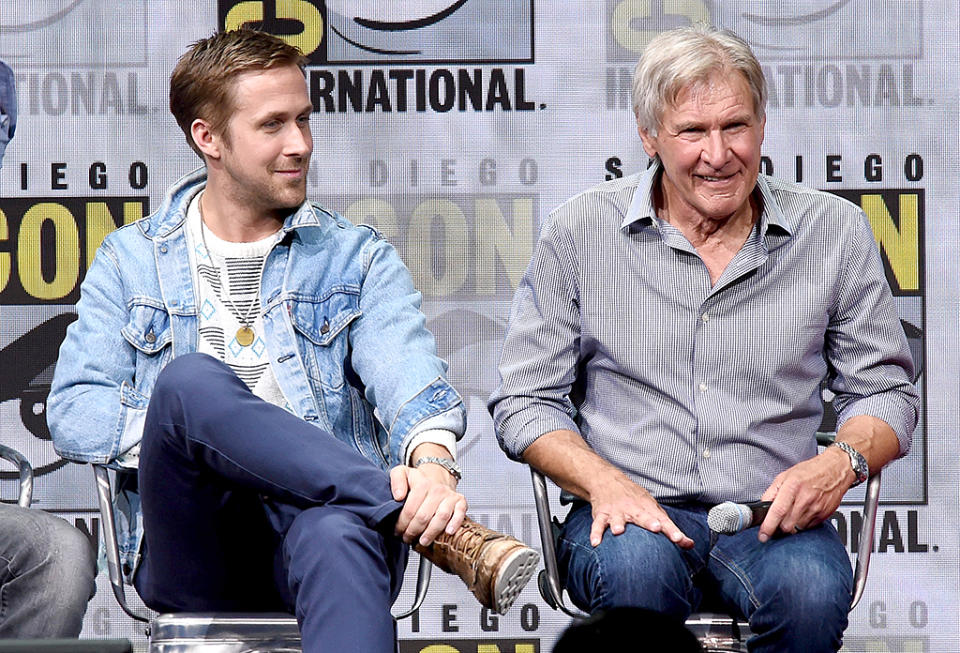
{"x": 642, "y": 211}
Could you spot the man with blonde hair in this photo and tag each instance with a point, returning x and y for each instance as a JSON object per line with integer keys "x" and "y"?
{"x": 264, "y": 363}
{"x": 666, "y": 351}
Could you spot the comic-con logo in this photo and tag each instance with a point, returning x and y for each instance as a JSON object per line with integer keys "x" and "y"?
{"x": 379, "y": 31}
{"x": 805, "y": 60}
{"x": 776, "y": 31}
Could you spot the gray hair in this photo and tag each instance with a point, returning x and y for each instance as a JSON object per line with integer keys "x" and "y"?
{"x": 680, "y": 58}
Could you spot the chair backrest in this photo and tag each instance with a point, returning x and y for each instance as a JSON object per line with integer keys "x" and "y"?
{"x": 25, "y": 495}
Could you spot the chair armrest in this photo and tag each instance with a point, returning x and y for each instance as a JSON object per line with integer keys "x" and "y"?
{"x": 108, "y": 528}
{"x": 423, "y": 582}
{"x": 871, "y": 500}
{"x": 26, "y": 474}
{"x": 867, "y": 533}
{"x": 549, "y": 579}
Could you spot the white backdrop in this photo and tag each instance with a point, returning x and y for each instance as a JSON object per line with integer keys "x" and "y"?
{"x": 455, "y": 136}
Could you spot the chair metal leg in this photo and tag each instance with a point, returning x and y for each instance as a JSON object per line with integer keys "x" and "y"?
{"x": 108, "y": 527}
{"x": 26, "y": 474}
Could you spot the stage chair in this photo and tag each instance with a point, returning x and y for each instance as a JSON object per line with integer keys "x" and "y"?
{"x": 717, "y": 632}
{"x": 25, "y": 495}
{"x": 211, "y": 632}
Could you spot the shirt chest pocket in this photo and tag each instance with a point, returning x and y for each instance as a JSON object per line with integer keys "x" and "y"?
{"x": 323, "y": 325}
{"x": 149, "y": 331}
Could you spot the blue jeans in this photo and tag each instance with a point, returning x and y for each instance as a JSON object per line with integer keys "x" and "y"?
{"x": 47, "y": 570}
{"x": 248, "y": 508}
{"x": 795, "y": 590}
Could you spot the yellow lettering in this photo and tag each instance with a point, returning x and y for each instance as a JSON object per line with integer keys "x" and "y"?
{"x": 99, "y": 224}
{"x": 377, "y": 213}
{"x": 306, "y": 13}
{"x": 5, "y": 265}
{"x": 627, "y": 11}
{"x": 66, "y": 251}
{"x": 132, "y": 211}
{"x": 901, "y": 246}
{"x": 496, "y": 241}
{"x": 438, "y": 263}
{"x": 439, "y": 648}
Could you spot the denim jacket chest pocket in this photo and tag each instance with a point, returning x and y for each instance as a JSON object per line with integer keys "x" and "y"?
{"x": 150, "y": 332}
{"x": 323, "y": 323}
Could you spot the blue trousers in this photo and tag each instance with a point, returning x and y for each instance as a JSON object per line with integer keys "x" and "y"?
{"x": 795, "y": 590}
{"x": 247, "y": 508}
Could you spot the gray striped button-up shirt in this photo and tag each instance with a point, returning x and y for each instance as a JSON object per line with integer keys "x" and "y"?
{"x": 701, "y": 392}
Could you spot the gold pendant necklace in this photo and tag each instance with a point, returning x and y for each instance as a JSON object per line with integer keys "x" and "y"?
{"x": 245, "y": 334}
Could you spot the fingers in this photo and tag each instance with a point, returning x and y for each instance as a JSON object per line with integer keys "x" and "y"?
{"x": 430, "y": 509}
{"x": 675, "y": 535}
{"x": 447, "y": 517}
{"x": 655, "y": 521}
{"x": 778, "y": 510}
{"x": 600, "y": 522}
{"x": 399, "y": 486}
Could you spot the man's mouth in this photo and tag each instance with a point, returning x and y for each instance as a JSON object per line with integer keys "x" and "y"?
{"x": 716, "y": 178}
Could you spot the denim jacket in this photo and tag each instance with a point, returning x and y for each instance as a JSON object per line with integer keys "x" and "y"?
{"x": 348, "y": 341}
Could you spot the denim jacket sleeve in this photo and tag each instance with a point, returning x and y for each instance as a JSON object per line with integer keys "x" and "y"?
{"x": 396, "y": 356}
{"x": 92, "y": 402}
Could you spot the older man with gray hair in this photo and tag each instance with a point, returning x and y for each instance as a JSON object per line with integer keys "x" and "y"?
{"x": 666, "y": 352}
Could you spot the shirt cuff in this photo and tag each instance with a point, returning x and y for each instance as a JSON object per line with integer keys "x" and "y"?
{"x": 444, "y": 438}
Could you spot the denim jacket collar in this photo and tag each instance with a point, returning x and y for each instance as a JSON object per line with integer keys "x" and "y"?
{"x": 173, "y": 210}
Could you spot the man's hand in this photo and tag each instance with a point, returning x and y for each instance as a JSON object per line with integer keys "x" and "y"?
{"x": 618, "y": 501}
{"x": 614, "y": 498}
{"x": 807, "y": 493}
{"x": 431, "y": 503}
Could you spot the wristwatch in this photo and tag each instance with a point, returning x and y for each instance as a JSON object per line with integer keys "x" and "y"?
{"x": 857, "y": 462}
{"x": 447, "y": 463}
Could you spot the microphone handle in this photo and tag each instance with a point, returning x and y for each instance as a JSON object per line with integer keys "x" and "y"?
{"x": 758, "y": 511}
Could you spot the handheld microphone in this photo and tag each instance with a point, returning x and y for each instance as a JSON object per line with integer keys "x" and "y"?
{"x": 729, "y": 517}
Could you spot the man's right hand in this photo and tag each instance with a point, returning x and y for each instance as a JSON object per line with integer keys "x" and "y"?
{"x": 615, "y": 499}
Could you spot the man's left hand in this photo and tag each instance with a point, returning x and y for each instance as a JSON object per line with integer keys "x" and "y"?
{"x": 807, "y": 493}
{"x": 431, "y": 503}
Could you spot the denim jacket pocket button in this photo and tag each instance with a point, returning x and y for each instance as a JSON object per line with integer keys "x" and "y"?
{"x": 150, "y": 337}
{"x": 325, "y": 329}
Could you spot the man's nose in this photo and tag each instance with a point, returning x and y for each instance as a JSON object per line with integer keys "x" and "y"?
{"x": 715, "y": 149}
{"x": 298, "y": 141}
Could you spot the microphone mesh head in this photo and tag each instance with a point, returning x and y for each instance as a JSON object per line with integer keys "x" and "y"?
{"x": 728, "y": 518}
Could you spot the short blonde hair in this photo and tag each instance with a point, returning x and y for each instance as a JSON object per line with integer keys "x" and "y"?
{"x": 684, "y": 57}
{"x": 201, "y": 85}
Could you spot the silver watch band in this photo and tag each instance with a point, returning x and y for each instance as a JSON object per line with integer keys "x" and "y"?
{"x": 447, "y": 463}
{"x": 857, "y": 462}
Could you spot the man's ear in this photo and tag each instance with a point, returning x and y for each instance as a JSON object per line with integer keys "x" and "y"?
{"x": 649, "y": 142}
{"x": 205, "y": 139}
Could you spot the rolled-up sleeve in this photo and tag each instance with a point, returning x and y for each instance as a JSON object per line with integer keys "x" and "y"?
{"x": 870, "y": 367}
{"x": 540, "y": 352}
